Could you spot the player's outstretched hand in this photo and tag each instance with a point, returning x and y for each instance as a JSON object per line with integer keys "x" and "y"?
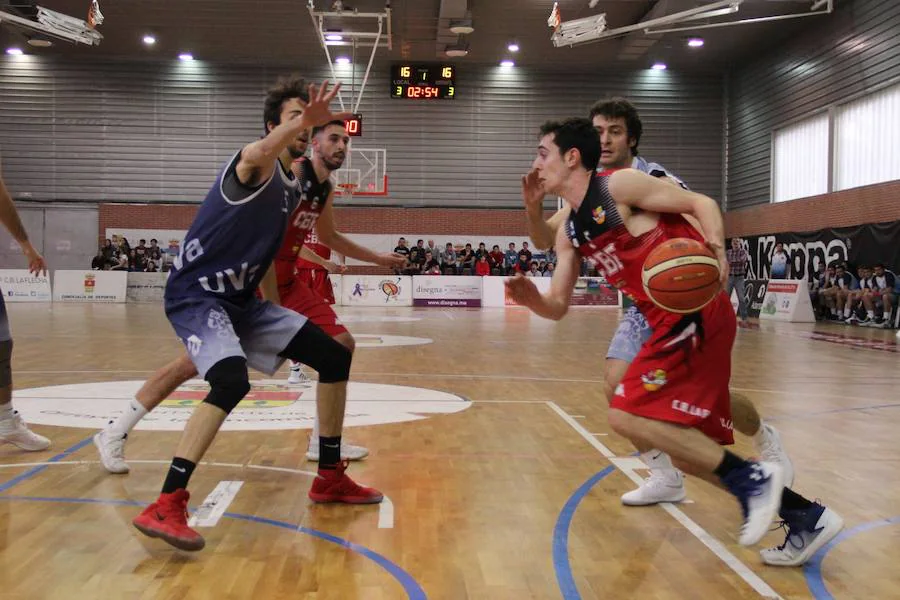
{"x": 392, "y": 260}
{"x": 316, "y": 112}
{"x": 523, "y": 291}
{"x": 533, "y": 191}
{"x": 36, "y": 264}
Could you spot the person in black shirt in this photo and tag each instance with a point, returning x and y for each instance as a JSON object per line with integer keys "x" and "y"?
{"x": 401, "y": 249}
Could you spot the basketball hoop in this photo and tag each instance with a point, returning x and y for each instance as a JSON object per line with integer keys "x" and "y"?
{"x": 347, "y": 189}
{"x": 555, "y": 19}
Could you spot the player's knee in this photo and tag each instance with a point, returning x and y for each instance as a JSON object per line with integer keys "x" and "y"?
{"x": 335, "y": 367}
{"x": 329, "y": 357}
{"x": 621, "y": 422}
{"x": 5, "y": 363}
{"x": 185, "y": 369}
{"x": 347, "y": 340}
{"x": 229, "y": 382}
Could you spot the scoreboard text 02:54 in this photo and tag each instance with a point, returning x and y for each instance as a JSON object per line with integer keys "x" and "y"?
{"x": 423, "y": 82}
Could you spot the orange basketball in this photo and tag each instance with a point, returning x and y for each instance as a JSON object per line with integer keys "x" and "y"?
{"x": 681, "y": 275}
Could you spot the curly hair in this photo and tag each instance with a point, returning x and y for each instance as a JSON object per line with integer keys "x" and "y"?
{"x": 290, "y": 86}
{"x": 620, "y": 108}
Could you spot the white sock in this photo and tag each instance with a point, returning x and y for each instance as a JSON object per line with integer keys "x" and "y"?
{"x": 887, "y": 315}
{"x": 295, "y": 366}
{"x": 658, "y": 461}
{"x": 870, "y": 314}
{"x": 6, "y": 411}
{"x": 133, "y": 413}
{"x": 315, "y": 432}
{"x": 846, "y": 313}
{"x": 834, "y": 311}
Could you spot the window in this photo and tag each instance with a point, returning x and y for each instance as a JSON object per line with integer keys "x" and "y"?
{"x": 800, "y": 159}
{"x": 867, "y": 140}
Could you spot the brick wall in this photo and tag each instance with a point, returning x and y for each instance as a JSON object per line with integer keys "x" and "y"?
{"x": 446, "y": 221}
{"x": 869, "y": 204}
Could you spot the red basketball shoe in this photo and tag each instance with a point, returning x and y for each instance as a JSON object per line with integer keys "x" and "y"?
{"x": 167, "y": 519}
{"x": 332, "y": 485}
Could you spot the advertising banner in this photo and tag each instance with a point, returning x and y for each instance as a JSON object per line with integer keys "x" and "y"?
{"x": 18, "y": 285}
{"x": 444, "y": 291}
{"x": 89, "y": 286}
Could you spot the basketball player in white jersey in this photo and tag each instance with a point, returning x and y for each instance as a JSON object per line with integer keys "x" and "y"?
{"x": 619, "y": 126}
{"x": 12, "y": 428}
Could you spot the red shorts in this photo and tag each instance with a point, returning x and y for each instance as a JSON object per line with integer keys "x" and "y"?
{"x": 299, "y": 297}
{"x": 317, "y": 280}
{"x": 681, "y": 373}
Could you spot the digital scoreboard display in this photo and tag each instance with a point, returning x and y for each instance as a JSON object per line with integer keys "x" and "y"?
{"x": 423, "y": 82}
{"x": 353, "y": 125}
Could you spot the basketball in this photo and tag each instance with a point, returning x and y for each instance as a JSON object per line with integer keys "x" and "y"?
{"x": 681, "y": 275}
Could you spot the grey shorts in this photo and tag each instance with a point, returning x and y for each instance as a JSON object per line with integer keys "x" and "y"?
{"x": 212, "y": 329}
{"x": 4, "y": 322}
{"x": 631, "y": 334}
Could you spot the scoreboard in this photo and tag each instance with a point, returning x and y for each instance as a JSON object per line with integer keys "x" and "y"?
{"x": 423, "y": 82}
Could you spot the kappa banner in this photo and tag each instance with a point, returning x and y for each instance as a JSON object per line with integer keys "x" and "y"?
{"x": 89, "y": 286}
{"x": 19, "y": 285}
{"x": 787, "y": 301}
{"x": 446, "y": 291}
{"x": 376, "y": 290}
{"x": 862, "y": 244}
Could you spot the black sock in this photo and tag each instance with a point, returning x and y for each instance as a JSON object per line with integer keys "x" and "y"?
{"x": 730, "y": 462}
{"x": 329, "y": 452}
{"x": 792, "y": 501}
{"x": 179, "y": 473}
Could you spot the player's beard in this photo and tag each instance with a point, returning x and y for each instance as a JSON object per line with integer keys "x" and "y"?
{"x": 334, "y": 163}
{"x": 297, "y": 150}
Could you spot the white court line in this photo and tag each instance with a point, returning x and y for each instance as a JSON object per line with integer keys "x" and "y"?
{"x": 215, "y": 505}
{"x": 385, "y": 509}
{"x": 714, "y": 545}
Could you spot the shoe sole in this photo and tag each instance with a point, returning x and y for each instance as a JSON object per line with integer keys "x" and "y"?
{"x": 179, "y": 543}
{"x": 834, "y": 527}
{"x": 770, "y": 509}
{"x": 342, "y": 500}
{"x": 682, "y": 498}
{"x": 103, "y": 459}
{"x": 24, "y": 447}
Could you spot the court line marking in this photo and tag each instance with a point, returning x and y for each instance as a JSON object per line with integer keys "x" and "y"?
{"x": 213, "y": 507}
{"x": 714, "y": 545}
{"x": 38, "y": 468}
{"x": 812, "y": 570}
{"x": 385, "y": 508}
{"x": 412, "y": 588}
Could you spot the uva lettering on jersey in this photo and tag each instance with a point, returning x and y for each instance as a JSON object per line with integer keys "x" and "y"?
{"x": 234, "y": 237}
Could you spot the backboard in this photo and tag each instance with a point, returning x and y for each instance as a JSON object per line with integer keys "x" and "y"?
{"x": 364, "y": 173}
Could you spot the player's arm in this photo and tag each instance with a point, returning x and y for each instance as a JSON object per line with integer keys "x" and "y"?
{"x": 633, "y": 188}
{"x": 268, "y": 286}
{"x": 555, "y": 304}
{"x": 257, "y": 160}
{"x": 340, "y": 243}
{"x": 307, "y": 254}
{"x": 9, "y": 216}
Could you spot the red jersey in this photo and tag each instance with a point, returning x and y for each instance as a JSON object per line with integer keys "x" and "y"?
{"x": 311, "y": 241}
{"x": 598, "y": 232}
{"x": 314, "y": 195}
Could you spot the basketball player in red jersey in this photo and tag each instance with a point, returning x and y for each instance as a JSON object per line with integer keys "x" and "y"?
{"x": 616, "y": 220}
{"x": 279, "y": 285}
{"x": 312, "y": 267}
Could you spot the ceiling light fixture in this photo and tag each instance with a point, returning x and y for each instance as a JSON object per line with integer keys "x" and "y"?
{"x": 186, "y": 56}
{"x": 513, "y": 47}
{"x": 507, "y": 64}
{"x": 14, "y": 51}
{"x": 659, "y": 66}
{"x": 456, "y": 50}
{"x": 149, "y": 40}
{"x": 695, "y": 42}
{"x": 334, "y": 37}
{"x": 342, "y": 60}
{"x": 462, "y": 26}
{"x": 39, "y": 42}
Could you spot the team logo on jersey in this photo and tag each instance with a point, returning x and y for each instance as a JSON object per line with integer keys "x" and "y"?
{"x": 653, "y": 380}
{"x": 599, "y": 215}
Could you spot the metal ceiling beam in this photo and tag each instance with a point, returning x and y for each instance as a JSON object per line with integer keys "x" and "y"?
{"x": 637, "y": 44}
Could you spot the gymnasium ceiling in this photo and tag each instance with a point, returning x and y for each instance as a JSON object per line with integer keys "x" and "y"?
{"x": 280, "y": 31}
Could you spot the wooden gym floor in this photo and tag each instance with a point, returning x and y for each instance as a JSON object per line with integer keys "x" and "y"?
{"x": 516, "y": 496}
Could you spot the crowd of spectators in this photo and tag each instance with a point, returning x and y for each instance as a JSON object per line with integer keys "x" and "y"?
{"x": 867, "y": 299}
{"x": 463, "y": 259}
{"x": 118, "y": 255}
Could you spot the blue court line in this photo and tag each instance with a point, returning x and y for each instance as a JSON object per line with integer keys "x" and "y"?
{"x": 35, "y": 470}
{"x": 561, "y": 563}
{"x": 413, "y": 590}
{"x": 813, "y": 569}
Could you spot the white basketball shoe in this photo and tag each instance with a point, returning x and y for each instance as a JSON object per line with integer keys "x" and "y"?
{"x": 112, "y": 451}
{"x": 14, "y": 431}
{"x": 807, "y": 531}
{"x": 663, "y": 485}
{"x": 768, "y": 444}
